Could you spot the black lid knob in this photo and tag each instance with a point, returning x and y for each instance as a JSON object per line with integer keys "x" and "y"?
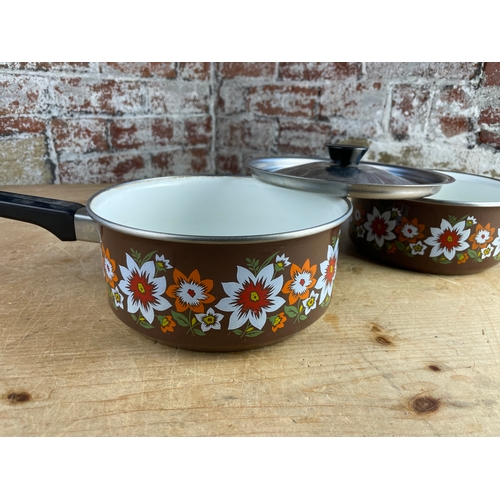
{"x": 344, "y": 155}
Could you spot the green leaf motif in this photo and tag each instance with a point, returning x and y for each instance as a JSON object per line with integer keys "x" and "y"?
{"x": 135, "y": 255}
{"x": 145, "y": 325}
{"x": 400, "y": 246}
{"x": 291, "y": 311}
{"x": 472, "y": 253}
{"x": 302, "y": 317}
{"x": 199, "y": 332}
{"x": 253, "y": 333}
{"x": 180, "y": 319}
{"x": 148, "y": 257}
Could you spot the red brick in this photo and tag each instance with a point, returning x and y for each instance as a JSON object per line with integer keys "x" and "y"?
{"x": 455, "y": 96}
{"x": 228, "y": 163}
{"x": 178, "y": 97}
{"x": 246, "y": 69}
{"x": 489, "y": 116}
{"x": 409, "y": 110}
{"x": 311, "y": 71}
{"x": 355, "y": 100}
{"x": 308, "y": 139}
{"x": 98, "y": 96}
{"x": 140, "y": 69}
{"x": 489, "y": 138}
{"x": 279, "y": 100}
{"x": 231, "y": 97}
{"x": 239, "y": 132}
{"x": 401, "y": 70}
{"x": 130, "y": 133}
{"x": 352, "y": 130}
{"x": 23, "y": 95}
{"x": 198, "y": 130}
{"x": 79, "y": 135}
{"x": 454, "y": 125}
{"x": 194, "y": 70}
{"x": 191, "y": 161}
{"x": 11, "y": 125}
{"x": 133, "y": 133}
{"x": 91, "y": 169}
{"x": 492, "y": 74}
{"x": 162, "y": 131}
{"x": 48, "y": 66}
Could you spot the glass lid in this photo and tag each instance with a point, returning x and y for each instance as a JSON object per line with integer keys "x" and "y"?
{"x": 345, "y": 175}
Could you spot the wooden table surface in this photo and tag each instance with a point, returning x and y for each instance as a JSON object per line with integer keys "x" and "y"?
{"x": 397, "y": 354}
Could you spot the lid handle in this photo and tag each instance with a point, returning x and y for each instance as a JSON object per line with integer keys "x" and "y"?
{"x": 345, "y": 155}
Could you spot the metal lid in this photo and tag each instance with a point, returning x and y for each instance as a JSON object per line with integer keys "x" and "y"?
{"x": 345, "y": 175}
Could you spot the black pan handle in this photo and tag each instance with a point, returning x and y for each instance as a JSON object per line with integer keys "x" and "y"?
{"x": 56, "y": 216}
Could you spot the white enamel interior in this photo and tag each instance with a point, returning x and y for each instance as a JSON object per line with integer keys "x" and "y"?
{"x": 214, "y": 207}
{"x": 469, "y": 188}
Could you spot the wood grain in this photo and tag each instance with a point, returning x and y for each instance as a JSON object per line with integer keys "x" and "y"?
{"x": 397, "y": 354}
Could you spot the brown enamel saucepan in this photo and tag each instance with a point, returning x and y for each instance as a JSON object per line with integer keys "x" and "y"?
{"x": 416, "y": 219}
{"x": 205, "y": 263}
{"x": 232, "y": 263}
{"x": 456, "y": 231}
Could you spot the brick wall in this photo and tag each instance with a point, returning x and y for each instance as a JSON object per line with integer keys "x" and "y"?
{"x": 111, "y": 122}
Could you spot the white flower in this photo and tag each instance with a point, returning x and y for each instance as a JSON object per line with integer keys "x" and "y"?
{"x": 360, "y": 230}
{"x": 471, "y": 221}
{"x": 311, "y": 302}
{"x": 357, "y": 215}
{"x": 396, "y": 211}
{"x": 486, "y": 252}
{"x": 328, "y": 270}
{"x": 417, "y": 248}
{"x": 409, "y": 231}
{"x": 482, "y": 236}
{"x": 282, "y": 261}
{"x": 209, "y": 320}
{"x": 144, "y": 291}
{"x": 251, "y": 297}
{"x": 117, "y": 297}
{"x": 496, "y": 244}
{"x": 379, "y": 227}
{"x": 109, "y": 271}
{"x": 162, "y": 263}
{"x": 448, "y": 239}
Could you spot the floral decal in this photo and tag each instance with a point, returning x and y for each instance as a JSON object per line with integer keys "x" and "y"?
{"x": 301, "y": 282}
{"x": 251, "y": 298}
{"x": 328, "y": 270}
{"x": 447, "y": 240}
{"x": 109, "y": 267}
{"x": 190, "y": 293}
{"x": 455, "y": 240}
{"x": 278, "y": 321}
{"x": 379, "y": 227}
{"x": 167, "y": 324}
{"x": 210, "y": 320}
{"x": 483, "y": 236}
{"x": 410, "y": 231}
{"x": 144, "y": 291}
{"x": 158, "y": 295}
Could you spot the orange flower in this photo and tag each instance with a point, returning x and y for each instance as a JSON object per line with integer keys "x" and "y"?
{"x": 462, "y": 258}
{"x": 167, "y": 324}
{"x": 279, "y": 322}
{"x": 391, "y": 248}
{"x": 302, "y": 281}
{"x": 482, "y": 236}
{"x": 191, "y": 292}
{"x": 109, "y": 267}
{"x": 410, "y": 231}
